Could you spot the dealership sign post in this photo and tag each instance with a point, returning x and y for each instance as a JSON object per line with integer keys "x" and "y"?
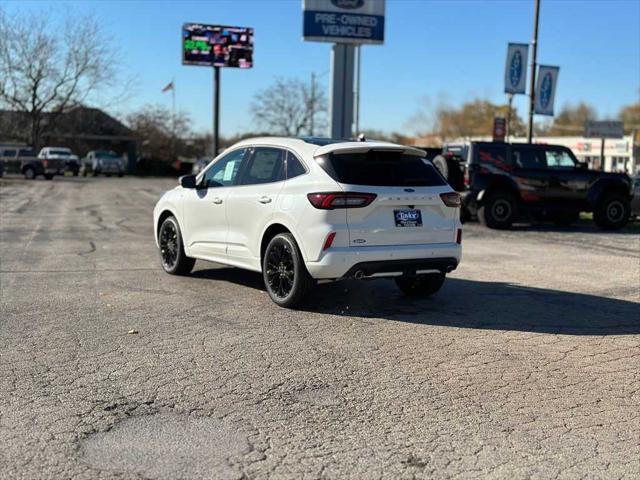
{"x": 603, "y": 130}
{"x": 217, "y": 46}
{"x": 346, "y": 24}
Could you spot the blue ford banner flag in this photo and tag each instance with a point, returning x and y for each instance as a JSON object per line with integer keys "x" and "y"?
{"x": 344, "y": 21}
{"x": 546, "y": 89}
{"x": 515, "y": 73}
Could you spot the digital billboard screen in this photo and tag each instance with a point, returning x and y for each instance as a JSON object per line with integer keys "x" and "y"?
{"x": 217, "y": 45}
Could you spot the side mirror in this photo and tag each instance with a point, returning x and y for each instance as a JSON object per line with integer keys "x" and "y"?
{"x": 188, "y": 181}
{"x": 583, "y": 166}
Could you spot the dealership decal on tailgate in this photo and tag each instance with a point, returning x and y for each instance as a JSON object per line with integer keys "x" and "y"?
{"x": 408, "y": 218}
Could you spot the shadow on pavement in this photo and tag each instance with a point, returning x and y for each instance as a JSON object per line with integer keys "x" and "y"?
{"x": 464, "y": 304}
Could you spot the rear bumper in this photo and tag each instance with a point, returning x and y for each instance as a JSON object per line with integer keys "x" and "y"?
{"x": 345, "y": 262}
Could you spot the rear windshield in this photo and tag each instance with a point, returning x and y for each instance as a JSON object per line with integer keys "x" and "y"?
{"x": 383, "y": 169}
{"x": 102, "y": 154}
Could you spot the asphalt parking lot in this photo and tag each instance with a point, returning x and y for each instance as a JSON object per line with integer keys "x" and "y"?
{"x": 526, "y": 364}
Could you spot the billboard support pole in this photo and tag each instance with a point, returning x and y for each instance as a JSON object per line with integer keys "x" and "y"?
{"x": 341, "y": 104}
{"x": 357, "y": 94}
{"x": 216, "y": 110}
{"x": 532, "y": 87}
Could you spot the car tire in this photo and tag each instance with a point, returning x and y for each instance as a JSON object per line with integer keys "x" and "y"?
{"x": 172, "y": 256}
{"x": 612, "y": 212}
{"x": 29, "y": 173}
{"x": 76, "y": 172}
{"x": 420, "y": 285}
{"x": 48, "y": 176}
{"x": 498, "y": 210}
{"x": 95, "y": 173}
{"x": 120, "y": 175}
{"x": 284, "y": 273}
{"x": 565, "y": 219}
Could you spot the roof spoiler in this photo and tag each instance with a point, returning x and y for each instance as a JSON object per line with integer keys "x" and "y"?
{"x": 362, "y": 147}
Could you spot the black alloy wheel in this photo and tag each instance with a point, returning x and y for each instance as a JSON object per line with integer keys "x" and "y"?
{"x": 285, "y": 275}
{"x": 499, "y": 210}
{"x": 423, "y": 285}
{"x": 612, "y": 212}
{"x": 172, "y": 255}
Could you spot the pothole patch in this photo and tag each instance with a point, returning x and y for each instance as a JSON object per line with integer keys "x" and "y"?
{"x": 168, "y": 446}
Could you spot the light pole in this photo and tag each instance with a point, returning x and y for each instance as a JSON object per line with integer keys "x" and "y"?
{"x": 532, "y": 85}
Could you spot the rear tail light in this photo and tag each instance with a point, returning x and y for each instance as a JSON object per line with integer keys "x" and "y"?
{"x": 459, "y": 237}
{"x": 451, "y": 199}
{"x": 333, "y": 200}
{"x": 467, "y": 177}
{"x": 45, "y": 163}
{"x": 329, "y": 241}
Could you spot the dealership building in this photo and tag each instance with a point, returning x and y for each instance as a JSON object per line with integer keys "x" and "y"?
{"x": 620, "y": 154}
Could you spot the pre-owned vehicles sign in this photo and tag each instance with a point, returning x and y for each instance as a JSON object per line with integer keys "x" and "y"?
{"x": 344, "y": 21}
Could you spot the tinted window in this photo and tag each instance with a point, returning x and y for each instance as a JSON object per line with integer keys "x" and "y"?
{"x": 101, "y": 154}
{"x": 294, "y": 167}
{"x": 27, "y": 152}
{"x": 528, "y": 158}
{"x": 223, "y": 173}
{"x": 494, "y": 155}
{"x": 265, "y": 166}
{"x": 376, "y": 168}
{"x": 9, "y": 153}
{"x": 60, "y": 152}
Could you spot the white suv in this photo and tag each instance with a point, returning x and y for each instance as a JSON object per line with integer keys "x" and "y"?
{"x": 301, "y": 210}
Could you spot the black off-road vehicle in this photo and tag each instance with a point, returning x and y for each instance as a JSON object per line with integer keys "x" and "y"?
{"x": 502, "y": 183}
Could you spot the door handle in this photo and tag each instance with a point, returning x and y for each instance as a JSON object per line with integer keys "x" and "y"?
{"x": 217, "y": 200}
{"x": 264, "y": 200}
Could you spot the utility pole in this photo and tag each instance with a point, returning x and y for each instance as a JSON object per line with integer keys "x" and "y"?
{"x": 532, "y": 87}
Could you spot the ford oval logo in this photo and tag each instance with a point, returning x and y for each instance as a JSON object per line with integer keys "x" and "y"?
{"x": 545, "y": 91}
{"x": 515, "y": 69}
{"x": 409, "y": 190}
{"x": 348, "y": 4}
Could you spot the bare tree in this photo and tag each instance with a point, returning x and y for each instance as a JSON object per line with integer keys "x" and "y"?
{"x": 290, "y": 107}
{"x": 46, "y": 68}
{"x": 153, "y": 127}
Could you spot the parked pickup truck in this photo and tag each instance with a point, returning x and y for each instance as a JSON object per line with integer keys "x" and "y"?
{"x": 23, "y": 159}
{"x": 503, "y": 182}
{"x": 71, "y": 161}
